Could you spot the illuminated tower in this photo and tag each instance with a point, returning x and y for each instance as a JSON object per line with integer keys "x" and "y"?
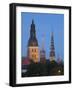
{"x": 42, "y": 51}
{"x": 52, "y": 49}
{"x": 33, "y": 52}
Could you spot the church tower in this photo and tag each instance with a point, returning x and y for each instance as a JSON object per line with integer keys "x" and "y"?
{"x": 42, "y": 52}
{"x": 52, "y": 49}
{"x": 33, "y": 52}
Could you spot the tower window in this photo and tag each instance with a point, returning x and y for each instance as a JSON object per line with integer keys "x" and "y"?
{"x": 35, "y": 56}
{"x": 35, "y": 50}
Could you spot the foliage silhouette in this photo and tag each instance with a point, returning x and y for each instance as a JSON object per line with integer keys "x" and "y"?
{"x": 44, "y": 69}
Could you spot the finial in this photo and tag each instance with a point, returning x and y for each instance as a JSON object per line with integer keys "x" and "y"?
{"x": 32, "y": 21}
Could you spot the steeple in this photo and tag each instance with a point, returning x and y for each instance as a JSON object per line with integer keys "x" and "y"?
{"x": 32, "y": 21}
{"x": 52, "y": 49}
{"x": 43, "y": 41}
{"x": 33, "y": 51}
{"x": 42, "y": 51}
{"x": 32, "y": 30}
{"x": 32, "y": 39}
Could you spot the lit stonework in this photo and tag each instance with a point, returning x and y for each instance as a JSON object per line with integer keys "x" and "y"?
{"x": 33, "y": 51}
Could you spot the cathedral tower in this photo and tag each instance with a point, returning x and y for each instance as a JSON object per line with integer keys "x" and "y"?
{"x": 33, "y": 52}
{"x": 52, "y": 49}
{"x": 42, "y": 52}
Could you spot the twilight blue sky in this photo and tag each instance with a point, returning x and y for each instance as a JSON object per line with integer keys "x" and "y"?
{"x": 45, "y": 24}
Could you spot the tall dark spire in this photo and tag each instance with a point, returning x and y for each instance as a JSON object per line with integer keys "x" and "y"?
{"x": 32, "y": 30}
{"x": 32, "y": 39}
{"x": 32, "y": 21}
{"x": 52, "y": 49}
{"x": 33, "y": 51}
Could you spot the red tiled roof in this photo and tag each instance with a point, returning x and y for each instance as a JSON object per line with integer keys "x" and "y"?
{"x": 25, "y": 61}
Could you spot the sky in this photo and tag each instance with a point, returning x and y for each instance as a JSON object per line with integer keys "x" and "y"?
{"x": 45, "y": 24}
